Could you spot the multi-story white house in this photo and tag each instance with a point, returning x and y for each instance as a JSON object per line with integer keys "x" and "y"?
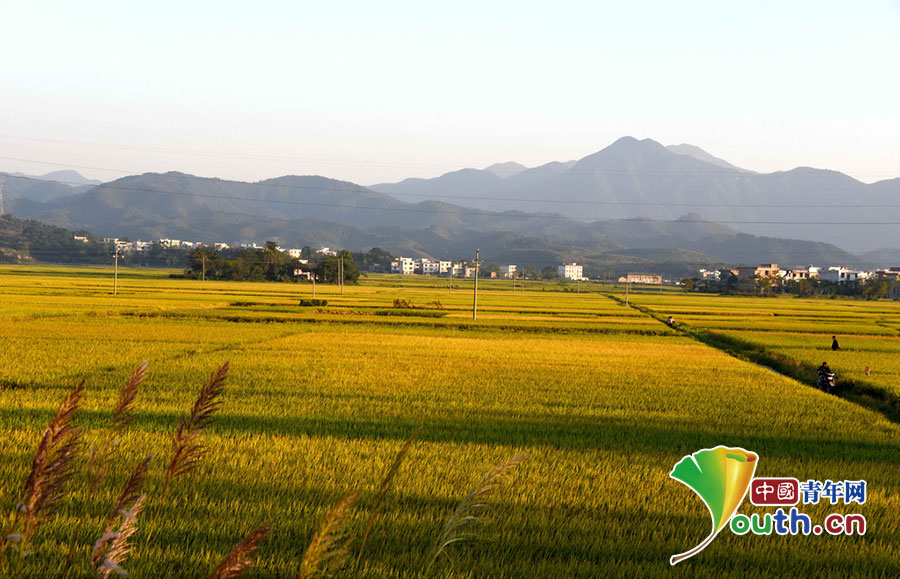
{"x": 170, "y": 243}
{"x": 445, "y": 266}
{"x": 801, "y": 273}
{"x": 430, "y": 267}
{"x": 510, "y": 272}
{"x": 570, "y": 271}
{"x": 841, "y": 274}
{"x": 403, "y": 265}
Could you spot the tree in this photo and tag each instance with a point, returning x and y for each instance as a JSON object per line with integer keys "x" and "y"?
{"x": 328, "y": 270}
{"x": 550, "y": 273}
{"x": 204, "y": 259}
{"x": 763, "y": 283}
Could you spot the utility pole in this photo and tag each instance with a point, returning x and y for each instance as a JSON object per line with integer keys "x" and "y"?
{"x": 203, "y": 260}
{"x": 627, "y": 285}
{"x": 314, "y": 283}
{"x": 342, "y": 275}
{"x": 450, "y": 287}
{"x": 475, "y": 293}
{"x": 116, "y": 275}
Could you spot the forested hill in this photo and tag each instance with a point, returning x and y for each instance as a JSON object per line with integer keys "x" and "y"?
{"x": 26, "y": 240}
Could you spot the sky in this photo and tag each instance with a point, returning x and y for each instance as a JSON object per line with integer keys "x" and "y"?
{"x": 375, "y": 92}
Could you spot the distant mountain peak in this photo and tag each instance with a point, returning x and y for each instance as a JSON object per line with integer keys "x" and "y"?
{"x": 65, "y": 177}
{"x": 505, "y": 170}
{"x": 698, "y": 153}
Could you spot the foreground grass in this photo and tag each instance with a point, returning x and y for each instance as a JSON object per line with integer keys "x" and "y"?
{"x": 318, "y": 403}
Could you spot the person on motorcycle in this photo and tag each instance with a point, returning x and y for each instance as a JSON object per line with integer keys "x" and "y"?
{"x": 825, "y": 378}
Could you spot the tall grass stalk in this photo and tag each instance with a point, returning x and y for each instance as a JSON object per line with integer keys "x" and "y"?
{"x": 328, "y": 551}
{"x": 387, "y": 482}
{"x": 470, "y": 511}
{"x": 51, "y": 468}
{"x": 122, "y": 415}
{"x": 241, "y": 556}
{"x": 187, "y": 449}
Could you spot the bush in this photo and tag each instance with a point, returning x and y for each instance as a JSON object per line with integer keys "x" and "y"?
{"x": 313, "y": 302}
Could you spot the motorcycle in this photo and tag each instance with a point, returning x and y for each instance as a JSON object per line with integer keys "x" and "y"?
{"x": 825, "y": 382}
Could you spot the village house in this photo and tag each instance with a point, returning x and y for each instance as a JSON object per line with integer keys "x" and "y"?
{"x": 750, "y": 273}
{"x": 429, "y": 267}
{"x": 403, "y": 265}
{"x": 891, "y": 274}
{"x": 571, "y": 271}
{"x": 841, "y": 274}
{"x": 801, "y": 273}
{"x": 648, "y": 278}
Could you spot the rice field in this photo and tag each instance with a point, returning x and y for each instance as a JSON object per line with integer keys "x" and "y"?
{"x": 602, "y": 398}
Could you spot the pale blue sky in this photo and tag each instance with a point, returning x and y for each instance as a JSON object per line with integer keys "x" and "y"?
{"x": 379, "y": 91}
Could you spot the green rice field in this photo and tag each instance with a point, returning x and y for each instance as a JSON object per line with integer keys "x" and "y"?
{"x": 601, "y": 397}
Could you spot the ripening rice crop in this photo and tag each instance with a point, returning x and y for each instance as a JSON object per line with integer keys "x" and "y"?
{"x": 319, "y": 404}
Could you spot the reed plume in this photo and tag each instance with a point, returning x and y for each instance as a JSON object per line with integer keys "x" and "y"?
{"x": 122, "y": 415}
{"x": 188, "y": 451}
{"x": 387, "y": 482}
{"x": 470, "y": 511}
{"x": 50, "y": 469}
{"x": 241, "y": 556}
{"x": 328, "y": 551}
{"x": 112, "y": 547}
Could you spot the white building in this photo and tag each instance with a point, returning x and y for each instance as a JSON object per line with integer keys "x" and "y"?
{"x": 709, "y": 274}
{"x": 403, "y": 265}
{"x": 841, "y": 274}
{"x": 295, "y": 253}
{"x": 430, "y": 267}
{"x": 445, "y": 266}
{"x": 170, "y": 243}
{"x": 327, "y": 251}
{"x": 801, "y": 273}
{"x": 571, "y": 271}
{"x": 82, "y": 238}
{"x": 510, "y": 272}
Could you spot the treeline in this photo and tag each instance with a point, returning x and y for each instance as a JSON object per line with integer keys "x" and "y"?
{"x": 269, "y": 263}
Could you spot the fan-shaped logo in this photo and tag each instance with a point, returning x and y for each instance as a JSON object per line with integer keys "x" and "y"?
{"x": 721, "y": 477}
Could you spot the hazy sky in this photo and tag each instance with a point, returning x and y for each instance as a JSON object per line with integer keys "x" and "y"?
{"x": 378, "y": 91}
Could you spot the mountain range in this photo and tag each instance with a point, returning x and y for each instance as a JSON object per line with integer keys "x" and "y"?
{"x": 643, "y": 179}
{"x": 634, "y": 205}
